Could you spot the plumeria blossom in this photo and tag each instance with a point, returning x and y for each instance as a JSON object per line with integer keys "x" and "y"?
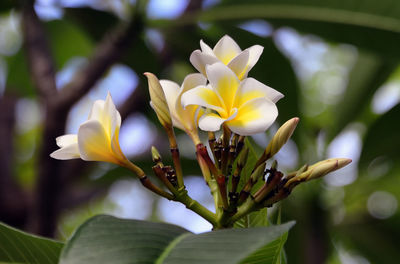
{"x": 184, "y": 118}
{"x": 246, "y": 107}
{"x": 97, "y": 138}
{"x": 228, "y": 52}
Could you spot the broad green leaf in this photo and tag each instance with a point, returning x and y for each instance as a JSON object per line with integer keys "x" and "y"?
{"x": 105, "y": 239}
{"x": 270, "y": 253}
{"x": 19, "y": 247}
{"x": 248, "y": 168}
{"x": 382, "y": 139}
{"x": 368, "y": 74}
{"x": 254, "y": 219}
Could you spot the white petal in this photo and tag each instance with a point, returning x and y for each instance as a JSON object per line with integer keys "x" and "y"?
{"x": 254, "y": 54}
{"x": 253, "y": 117}
{"x": 239, "y": 64}
{"x": 187, "y": 115}
{"x": 111, "y": 115}
{"x": 97, "y": 110}
{"x": 203, "y": 96}
{"x": 94, "y": 143}
{"x": 70, "y": 151}
{"x": 211, "y": 122}
{"x": 171, "y": 91}
{"x": 199, "y": 60}
{"x": 193, "y": 80}
{"x": 205, "y": 48}
{"x": 226, "y": 49}
{"x": 224, "y": 81}
{"x": 250, "y": 89}
{"x": 66, "y": 140}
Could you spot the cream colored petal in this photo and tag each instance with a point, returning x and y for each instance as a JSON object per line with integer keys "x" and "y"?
{"x": 239, "y": 64}
{"x": 171, "y": 91}
{"x": 112, "y": 117}
{"x": 94, "y": 143}
{"x": 211, "y": 122}
{"x": 254, "y": 54}
{"x": 253, "y": 117}
{"x": 191, "y": 81}
{"x": 225, "y": 82}
{"x": 250, "y": 89}
{"x": 205, "y": 48}
{"x": 97, "y": 110}
{"x": 67, "y": 152}
{"x": 199, "y": 60}
{"x": 187, "y": 114}
{"x": 116, "y": 148}
{"x": 66, "y": 140}
{"x": 226, "y": 49}
{"x": 203, "y": 96}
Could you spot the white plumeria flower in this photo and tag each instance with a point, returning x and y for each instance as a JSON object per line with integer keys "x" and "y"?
{"x": 97, "y": 138}
{"x": 229, "y": 53}
{"x": 247, "y": 107}
{"x": 184, "y": 118}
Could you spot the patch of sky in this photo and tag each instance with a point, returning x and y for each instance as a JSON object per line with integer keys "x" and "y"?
{"x": 346, "y": 145}
{"x": 178, "y": 214}
{"x": 386, "y": 97}
{"x": 167, "y": 9}
{"x": 257, "y": 27}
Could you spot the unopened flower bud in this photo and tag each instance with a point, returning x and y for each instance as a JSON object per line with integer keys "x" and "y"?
{"x": 155, "y": 155}
{"x": 280, "y": 138}
{"x": 324, "y": 167}
{"x": 318, "y": 170}
{"x": 158, "y": 101}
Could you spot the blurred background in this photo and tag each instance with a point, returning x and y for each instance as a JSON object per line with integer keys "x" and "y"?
{"x": 336, "y": 62}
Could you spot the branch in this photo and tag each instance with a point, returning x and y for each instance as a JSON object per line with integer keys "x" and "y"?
{"x": 40, "y": 60}
{"x": 13, "y": 202}
{"x": 106, "y": 54}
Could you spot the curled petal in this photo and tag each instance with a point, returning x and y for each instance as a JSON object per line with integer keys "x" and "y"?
{"x": 239, "y": 64}
{"x": 67, "y": 152}
{"x": 254, "y": 54}
{"x": 171, "y": 91}
{"x": 205, "y": 48}
{"x": 253, "y": 117}
{"x": 226, "y": 49}
{"x": 250, "y": 89}
{"x": 94, "y": 143}
{"x": 199, "y": 60}
{"x": 203, "y": 96}
{"x": 212, "y": 122}
{"x": 66, "y": 140}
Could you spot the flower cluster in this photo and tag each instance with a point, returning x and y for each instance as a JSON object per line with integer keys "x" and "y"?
{"x": 220, "y": 97}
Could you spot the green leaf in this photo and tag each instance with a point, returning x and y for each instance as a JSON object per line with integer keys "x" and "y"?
{"x": 382, "y": 139}
{"x": 19, "y": 247}
{"x": 254, "y": 219}
{"x": 270, "y": 253}
{"x": 105, "y": 239}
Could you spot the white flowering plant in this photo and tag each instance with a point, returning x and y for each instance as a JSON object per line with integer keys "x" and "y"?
{"x": 224, "y": 102}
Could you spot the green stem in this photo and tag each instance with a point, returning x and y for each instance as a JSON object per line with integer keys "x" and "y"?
{"x": 247, "y": 207}
{"x": 195, "y": 206}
